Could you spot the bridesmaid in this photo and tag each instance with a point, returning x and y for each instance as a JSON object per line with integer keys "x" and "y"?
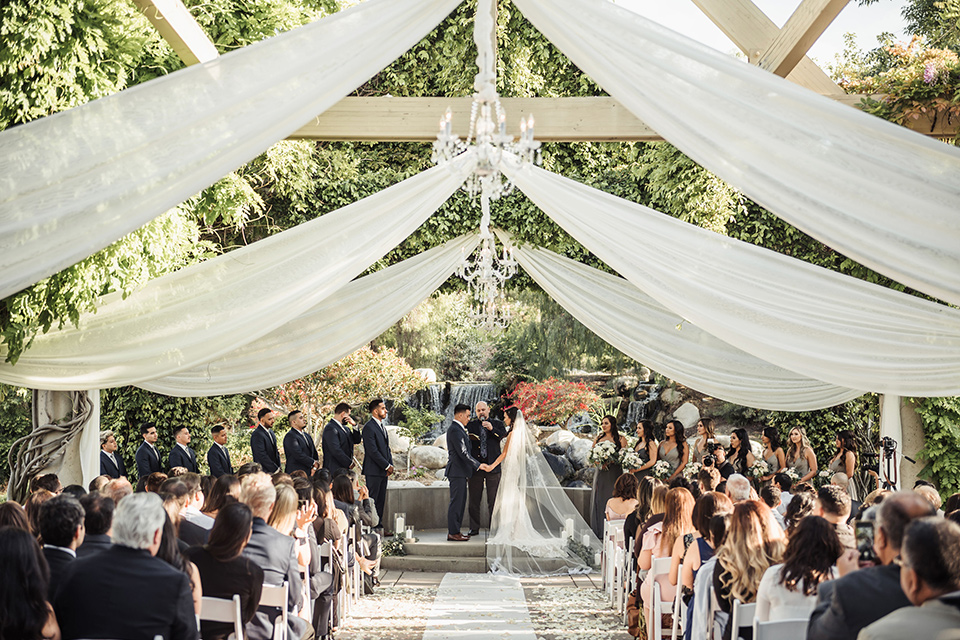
{"x": 773, "y": 453}
{"x": 846, "y": 459}
{"x": 739, "y": 454}
{"x": 705, "y": 434}
{"x": 800, "y": 455}
{"x": 674, "y": 448}
{"x": 646, "y": 448}
{"x": 606, "y": 477}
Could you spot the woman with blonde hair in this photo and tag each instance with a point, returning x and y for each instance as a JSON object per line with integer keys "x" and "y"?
{"x": 659, "y": 540}
{"x": 705, "y": 434}
{"x": 800, "y": 455}
{"x": 754, "y": 542}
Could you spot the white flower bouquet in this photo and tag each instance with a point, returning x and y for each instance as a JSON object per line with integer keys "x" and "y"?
{"x": 631, "y": 441}
{"x": 759, "y": 469}
{"x": 603, "y": 453}
{"x": 662, "y": 470}
{"x": 630, "y": 460}
{"x": 692, "y": 470}
{"x": 792, "y": 474}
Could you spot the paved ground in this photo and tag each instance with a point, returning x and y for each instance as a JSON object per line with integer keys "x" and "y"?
{"x": 561, "y": 608}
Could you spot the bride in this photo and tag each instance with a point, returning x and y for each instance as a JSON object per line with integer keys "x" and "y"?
{"x": 534, "y": 529}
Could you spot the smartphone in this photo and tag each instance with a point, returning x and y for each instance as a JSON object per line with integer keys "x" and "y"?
{"x": 863, "y": 530}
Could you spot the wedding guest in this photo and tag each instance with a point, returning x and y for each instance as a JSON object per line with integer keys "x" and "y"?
{"x": 225, "y": 491}
{"x": 740, "y": 454}
{"x": 800, "y": 455}
{"x": 674, "y": 449}
{"x": 321, "y": 582}
{"x": 705, "y": 435}
{"x": 154, "y": 481}
{"x": 247, "y": 468}
{"x": 13, "y": 515}
{"x": 770, "y": 495}
{"x": 833, "y": 505}
{"x": 25, "y": 611}
{"x": 48, "y": 481}
{"x": 98, "y": 521}
{"x": 739, "y": 489}
{"x": 845, "y": 460}
{"x": 699, "y": 620}
{"x": 98, "y": 483}
{"x": 339, "y": 438}
{"x": 657, "y": 506}
{"x": 709, "y": 505}
{"x": 639, "y": 515}
{"x": 646, "y": 448}
{"x": 773, "y": 454}
{"x": 606, "y": 476}
{"x": 111, "y": 462}
{"x": 932, "y": 496}
{"x": 117, "y": 489}
{"x": 784, "y": 483}
{"x": 789, "y": 590}
{"x": 327, "y": 529}
{"x": 61, "y": 527}
{"x": 952, "y": 503}
{"x": 170, "y": 552}
{"x": 659, "y": 540}
{"x": 32, "y": 509}
{"x": 709, "y": 479}
{"x": 298, "y": 446}
{"x": 624, "y": 499}
{"x": 721, "y": 463}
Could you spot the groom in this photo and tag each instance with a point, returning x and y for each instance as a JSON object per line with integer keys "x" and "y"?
{"x": 460, "y": 467}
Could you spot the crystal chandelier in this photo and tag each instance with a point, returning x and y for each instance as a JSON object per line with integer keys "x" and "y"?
{"x": 485, "y": 271}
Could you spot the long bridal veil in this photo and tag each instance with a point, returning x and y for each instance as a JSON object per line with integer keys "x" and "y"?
{"x": 535, "y": 529}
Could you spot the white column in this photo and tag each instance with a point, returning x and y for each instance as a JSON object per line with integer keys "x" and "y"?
{"x": 891, "y": 427}
{"x": 80, "y": 462}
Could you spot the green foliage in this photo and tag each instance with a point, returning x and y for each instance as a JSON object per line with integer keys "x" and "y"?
{"x": 15, "y": 422}
{"x": 941, "y": 449}
{"x": 417, "y": 422}
{"x": 462, "y": 357}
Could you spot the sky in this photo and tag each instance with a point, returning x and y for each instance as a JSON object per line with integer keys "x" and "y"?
{"x": 865, "y": 22}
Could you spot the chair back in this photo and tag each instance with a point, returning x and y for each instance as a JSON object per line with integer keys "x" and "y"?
{"x": 780, "y": 629}
{"x": 277, "y": 596}
{"x": 223, "y": 610}
{"x": 741, "y": 616}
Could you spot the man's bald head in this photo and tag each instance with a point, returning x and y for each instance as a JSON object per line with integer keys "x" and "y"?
{"x": 483, "y": 411}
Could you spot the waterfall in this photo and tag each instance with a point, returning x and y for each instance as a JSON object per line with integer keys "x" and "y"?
{"x": 646, "y": 407}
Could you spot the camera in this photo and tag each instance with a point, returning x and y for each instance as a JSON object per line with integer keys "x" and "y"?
{"x": 888, "y": 446}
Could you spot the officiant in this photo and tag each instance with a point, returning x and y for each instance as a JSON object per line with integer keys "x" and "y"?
{"x": 485, "y": 434}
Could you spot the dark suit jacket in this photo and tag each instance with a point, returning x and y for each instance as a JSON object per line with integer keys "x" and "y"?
{"x": 494, "y": 437}
{"x": 193, "y": 534}
{"x": 848, "y": 604}
{"x": 107, "y": 468}
{"x": 222, "y": 579}
{"x": 264, "y": 449}
{"x": 186, "y": 459}
{"x": 147, "y": 463}
{"x": 125, "y": 593}
{"x": 300, "y": 450}
{"x": 93, "y": 543}
{"x": 460, "y": 464}
{"x": 376, "y": 450}
{"x": 59, "y": 562}
{"x": 219, "y": 462}
{"x": 276, "y": 555}
{"x": 337, "y": 444}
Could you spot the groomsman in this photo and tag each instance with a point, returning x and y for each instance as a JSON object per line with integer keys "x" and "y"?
{"x": 263, "y": 442}
{"x": 111, "y": 462}
{"x": 377, "y": 459}
{"x": 485, "y": 433}
{"x": 460, "y": 467}
{"x": 299, "y": 447}
{"x": 181, "y": 455}
{"x": 338, "y": 440}
{"x": 218, "y": 458}
{"x": 148, "y": 458}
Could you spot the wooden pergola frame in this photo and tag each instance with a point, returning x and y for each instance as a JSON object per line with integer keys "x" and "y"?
{"x": 598, "y": 119}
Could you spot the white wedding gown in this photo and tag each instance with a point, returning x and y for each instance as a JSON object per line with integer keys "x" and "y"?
{"x": 535, "y": 529}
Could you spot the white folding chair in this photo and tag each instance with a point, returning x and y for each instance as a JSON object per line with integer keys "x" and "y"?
{"x": 607, "y": 564}
{"x": 223, "y": 610}
{"x": 741, "y": 616}
{"x": 679, "y": 611}
{"x": 274, "y": 596}
{"x": 780, "y": 629}
{"x": 343, "y": 597}
{"x": 658, "y": 607}
{"x": 307, "y": 612}
{"x": 357, "y": 573}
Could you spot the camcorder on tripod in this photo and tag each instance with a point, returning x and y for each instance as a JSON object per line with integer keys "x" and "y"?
{"x": 888, "y": 459}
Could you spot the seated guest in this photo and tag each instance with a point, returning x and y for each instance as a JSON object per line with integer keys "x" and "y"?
{"x": 13, "y": 515}
{"x": 75, "y": 490}
{"x": 154, "y": 481}
{"x": 624, "y": 498}
{"x": 932, "y": 495}
{"x": 699, "y": 611}
{"x": 709, "y": 505}
{"x": 709, "y": 479}
{"x": 642, "y": 511}
{"x": 843, "y": 481}
{"x": 863, "y": 596}
{"x": 658, "y": 542}
{"x": 97, "y": 521}
{"x": 785, "y": 483}
{"x": 172, "y": 553}
{"x": 770, "y": 494}
{"x": 225, "y": 490}
{"x": 363, "y": 512}
{"x": 32, "y": 508}
{"x": 321, "y": 582}
{"x": 190, "y": 533}
{"x": 117, "y": 489}
{"x": 61, "y": 527}
{"x": 833, "y": 505}
{"x": 789, "y": 590}
{"x": 105, "y": 594}
{"x": 111, "y": 462}
{"x": 25, "y": 611}
{"x": 99, "y": 483}
{"x": 224, "y": 571}
{"x": 275, "y": 553}
{"x": 326, "y": 529}
{"x": 800, "y": 506}
{"x": 930, "y": 577}
{"x": 738, "y": 488}
{"x": 192, "y": 511}
{"x": 657, "y": 505}
{"x": 48, "y": 481}
{"x": 248, "y": 468}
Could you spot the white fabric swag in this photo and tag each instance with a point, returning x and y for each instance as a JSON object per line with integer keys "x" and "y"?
{"x": 200, "y": 313}
{"x": 74, "y": 182}
{"x": 642, "y": 328}
{"x": 883, "y": 195}
{"x": 798, "y": 316}
{"x": 338, "y": 326}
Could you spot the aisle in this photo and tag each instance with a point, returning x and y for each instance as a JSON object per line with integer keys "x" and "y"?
{"x": 479, "y": 606}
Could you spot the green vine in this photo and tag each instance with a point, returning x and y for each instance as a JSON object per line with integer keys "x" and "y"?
{"x": 941, "y": 449}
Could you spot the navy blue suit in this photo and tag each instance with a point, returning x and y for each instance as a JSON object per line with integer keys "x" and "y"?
{"x": 107, "y": 468}
{"x": 147, "y": 461}
{"x": 186, "y": 459}
{"x": 460, "y": 467}
{"x": 218, "y": 461}
{"x": 337, "y": 444}
{"x": 376, "y": 459}
{"x": 300, "y": 451}
{"x": 263, "y": 444}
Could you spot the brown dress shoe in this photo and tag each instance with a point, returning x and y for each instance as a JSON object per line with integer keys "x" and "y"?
{"x": 458, "y": 537}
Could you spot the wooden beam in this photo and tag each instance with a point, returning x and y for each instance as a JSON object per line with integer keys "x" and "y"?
{"x": 803, "y": 28}
{"x": 179, "y": 29}
{"x": 752, "y": 32}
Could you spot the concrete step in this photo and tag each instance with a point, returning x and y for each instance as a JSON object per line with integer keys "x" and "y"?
{"x": 444, "y": 564}
{"x": 434, "y": 543}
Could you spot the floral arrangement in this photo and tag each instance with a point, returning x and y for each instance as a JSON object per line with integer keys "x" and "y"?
{"x": 630, "y": 460}
{"x": 759, "y": 469}
{"x": 692, "y": 470}
{"x": 552, "y": 401}
{"x": 602, "y": 454}
{"x": 822, "y": 477}
{"x": 662, "y": 470}
{"x": 792, "y": 474}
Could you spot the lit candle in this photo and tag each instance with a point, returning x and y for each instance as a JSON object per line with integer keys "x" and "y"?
{"x": 596, "y": 559}
{"x": 409, "y": 533}
{"x": 586, "y": 539}
{"x": 401, "y": 521}
{"x": 568, "y": 528}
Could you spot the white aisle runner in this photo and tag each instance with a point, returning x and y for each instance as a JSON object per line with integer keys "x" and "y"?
{"x": 478, "y": 606}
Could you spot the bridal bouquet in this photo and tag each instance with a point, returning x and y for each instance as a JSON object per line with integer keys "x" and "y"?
{"x": 630, "y": 460}
{"x": 692, "y": 470}
{"x": 759, "y": 469}
{"x": 603, "y": 454}
{"x": 662, "y": 470}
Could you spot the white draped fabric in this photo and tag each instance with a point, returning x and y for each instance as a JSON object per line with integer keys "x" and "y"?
{"x": 198, "y": 314}
{"x": 338, "y": 326}
{"x": 887, "y": 197}
{"x": 798, "y": 316}
{"x": 74, "y": 182}
{"x": 645, "y": 330}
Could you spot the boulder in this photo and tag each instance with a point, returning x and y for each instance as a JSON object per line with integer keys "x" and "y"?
{"x": 644, "y": 374}
{"x": 688, "y": 414}
{"x": 562, "y": 468}
{"x": 427, "y": 374}
{"x": 671, "y": 396}
{"x": 578, "y": 451}
{"x": 428, "y": 457}
{"x": 441, "y": 442}
{"x": 555, "y": 449}
{"x": 562, "y": 439}
{"x": 441, "y": 474}
{"x": 398, "y": 443}
{"x": 624, "y": 385}
{"x": 585, "y": 475}
{"x": 576, "y": 484}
